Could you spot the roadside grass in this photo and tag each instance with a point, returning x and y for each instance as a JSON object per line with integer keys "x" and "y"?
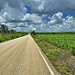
{"x": 57, "y": 56}
{"x": 64, "y": 41}
{"x": 10, "y": 36}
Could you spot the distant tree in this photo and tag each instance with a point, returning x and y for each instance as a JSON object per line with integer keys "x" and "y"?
{"x": 4, "y": 28}
{"x": 12, "y": 31}
{"x": 33, "y": 33}
{"x": 0, "y": 29}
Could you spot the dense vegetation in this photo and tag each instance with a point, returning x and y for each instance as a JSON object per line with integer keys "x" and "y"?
{"x": 64, "y": 41}
{"x": 33, "y": 33}
{"x": 10, "y": 36}
{"x": 6, "y": 34}
{"x": 60, "y": 49}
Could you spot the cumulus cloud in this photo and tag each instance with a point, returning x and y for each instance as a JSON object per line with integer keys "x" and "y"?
{"x": 32, "y": 18}
{"x": 22, "y": 24}
{"x": 61, "y": 24}
{"x": 69, "y": 23}
{"x": 39, "y": 6}
{"x": 1, "y": 19}
{"x": 14, "y": 14}
{"x": 49, "y": 6}
{"x": 56, "y": 18}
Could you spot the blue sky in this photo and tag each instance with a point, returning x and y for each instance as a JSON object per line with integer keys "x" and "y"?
{"x": 38, "y": 15}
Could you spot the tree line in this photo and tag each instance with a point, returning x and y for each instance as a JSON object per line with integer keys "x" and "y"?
{"x": 5, "y": 29}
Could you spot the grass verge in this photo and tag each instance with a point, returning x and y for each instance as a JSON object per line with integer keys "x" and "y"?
{"x": 61, "y": 59}
{"x": 10, "y": 36}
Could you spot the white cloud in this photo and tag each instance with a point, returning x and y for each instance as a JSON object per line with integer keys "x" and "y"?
{"x": 39, "y": 6}
{"x": 22, "y": 24}
{"x": 56, "y": 18}
{"x": 69, "y": 23}
{"x": 32, "y": 18}
{"x": 1, "y": 19}
{"x": 14, "y": 14}
{"x": 49, "y": 6}
{"x": 61, "y": 24}
{"x": 11, "y": 13}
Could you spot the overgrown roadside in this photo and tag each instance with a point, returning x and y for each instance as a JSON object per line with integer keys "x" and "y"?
{"x": 61, "y": 59}
{"x": 6, "y": 34}
{"x": 10, "y": 36}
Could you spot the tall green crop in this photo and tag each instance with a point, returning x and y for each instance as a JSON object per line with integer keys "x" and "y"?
{"x": 64, "y": 41}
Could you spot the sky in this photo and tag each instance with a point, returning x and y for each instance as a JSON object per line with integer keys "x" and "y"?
{"x": 38, "y": 15}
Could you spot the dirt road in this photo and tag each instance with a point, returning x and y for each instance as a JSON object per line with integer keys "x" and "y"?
{"x": 22, "y": 56}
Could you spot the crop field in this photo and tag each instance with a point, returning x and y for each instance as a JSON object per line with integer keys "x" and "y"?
{"x": 60, "y": 49}
{"x": 64, "y": 41}
{"x": 10, "y": 36}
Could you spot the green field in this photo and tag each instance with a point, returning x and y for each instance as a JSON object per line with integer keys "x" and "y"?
{"x": 59, "y": 48}
{"x": 10, "y": 36}
{"x": 64, "y": 41}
